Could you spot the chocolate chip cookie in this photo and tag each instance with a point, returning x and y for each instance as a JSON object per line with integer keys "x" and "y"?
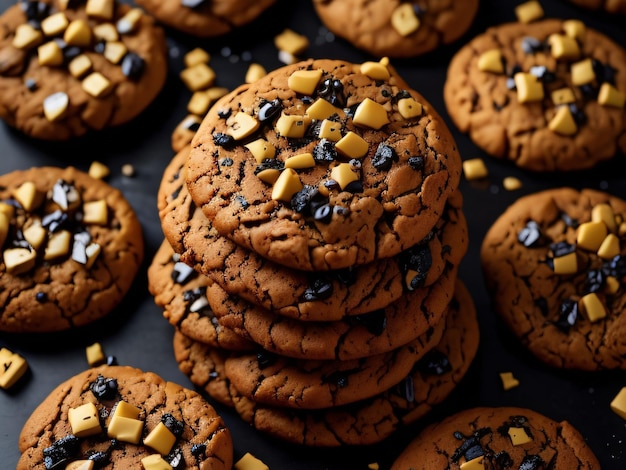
{"x": 554, "y": 264}
{"x": 205, "y": 18}
{"x": 323, "y": 165}
{"x": 547, "y": 95}
{"x": 68, "y": 68}
{"x": 397, "y": 28}
{"x": 71, "y": 248}
{"x": 506, "y": 437}
{"x": 123, "y": 417}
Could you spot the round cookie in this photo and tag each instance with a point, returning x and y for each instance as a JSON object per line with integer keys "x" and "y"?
{"x": 293, "y": 293}
{"x": 547, "y": 96}
{"x": 397, "y": 28}
{"x": 611, "y": 6}
{"x": 353, "y": 337}
{"x": 370, "y": 421}
{"x": 553, "y": 263}
{"x": 76, "y": 421}
{"x": 323, "y": 164}
{"x": 204, "y": 18}
{"x": 71, "y": 248}
{"x": 182, "y": 294}
{"x": 68, "y": 70}
{"x": 505, "y": 437}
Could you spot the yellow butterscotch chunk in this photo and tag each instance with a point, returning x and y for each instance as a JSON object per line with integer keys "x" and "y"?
{"x": 250, "y": 462}
{"x": 621, "y": 229}
{"x": 84, "y": 420}
{"x": 566, "y": 264}
{"x": 28, "y": 196}
{"x": 128, "y": 23}
{"x": 96, "y": 212}
{"x": 593, "y": 306}
{"x": 474, "y": 169}
{"x": 352, "y": 145}
{"x": 58, "y": 245}
{"x": 528, "y": 12}
{"x": 98, "y": 170}
{"x": 404, "y": 20}
{"x": 582, "y": 72}
{"x": 611, "y": 285}
{"x": 4, "y": 227}
{"x": 590, "y": 235}
{"x": 604, "y": 213}
{"x": 202, "y": 100}
{"x": 373, "y": 466}
{"x": 50, "y": 53}
{"x": 198, "y": 77}
{"x": 80, "y": 465}
{"x": 575, "y": 29}
{"x": 105, "y": 32}
{"x": 92, "y": 251}
{"x": 291, "y": 42}
{"x": 474, "y": 464}
{"x": 300, "y": 161}
{"x": 611, "y": 96}
{"x": 124, "y": 424}
{"x": 511, "y": 183}
{"x": 196, "y": 56}
{"x": 563, "y": 96}
{"x": 518, "y": 436}
{"x": 330, "y": 130}
{"x": 375, "y": 70}
{"x": 54, "y": 24}
{"x": 18, "y": 260}
{"x": 261, "y": 149}
{"x": 35, "y": 235}
{"x": 160, "y": 439}
{"x": 96, "y": 84}
{"x": 269, "y": 175}
{"x": 409, "y": 108}
{"x": 528, "y": 87}
{"x": 508, "y": 380}
{"x": 563, "y": 46}
{"x": 95, "y": 354}
{"x": 371, "y": 114}
{"x": 287, "y": 184}
{"x": 77, "y": 33}
{"x": 155, "y": 462}
{"x": 100, "y": 8}
{"x": 26, "y": 37}
{"x": 491, "y": 61}
{"x": 290, "y": 125}
{"x": 242, "y": 126}
{"x": 563, "y": 122}
{"x": 55, "y": 105}
{"x": 114, "y": 51}
{"x": 304, "y": 81}
{"x": 618, "y": 404}
{"x": 343, "y": 175}
{"x": 80, "y": 65}
{"x": 7, "y": 209}
{"x": 609, "y": 247}
{"x": 322, "y": 109}
{"x": 12, "y": 368}
{"x": 255, "y": 72}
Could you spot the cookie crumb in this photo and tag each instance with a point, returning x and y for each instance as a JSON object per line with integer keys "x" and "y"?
{"x": 474, "y": 169}
{"x": 508, "y": 380}
{"x": 95, "y": 355}
{"x": 511, "y": 183}
{"x": 128, "y": 170}
{"x": 250, "y": 462}
{"x": 12, "y": 368}
{"x": 618, "y": 405}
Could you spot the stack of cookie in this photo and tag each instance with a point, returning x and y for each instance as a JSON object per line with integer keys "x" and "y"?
{"x": 313, "y": 233}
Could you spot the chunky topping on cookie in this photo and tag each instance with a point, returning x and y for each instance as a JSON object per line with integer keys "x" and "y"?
{"x": 12, "y": 368}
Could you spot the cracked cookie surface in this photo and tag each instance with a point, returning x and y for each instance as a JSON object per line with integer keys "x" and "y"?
{"x": 559, "y": 293}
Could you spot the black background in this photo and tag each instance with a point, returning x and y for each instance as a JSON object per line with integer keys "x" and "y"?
{"x": 137, "y": 334}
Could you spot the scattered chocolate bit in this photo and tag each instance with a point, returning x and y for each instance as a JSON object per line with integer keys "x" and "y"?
{"x": 434, "y": 362}
{"x": 320, "y": 289}
{"x": 265, "y": 359}
{"x": 176, "y": 459}
{"x": 269, "y": 110}
{"x": 567, "y": 315}
{"x": 182, "y": 272}
{"x": 60, "y": 452}
{"x": 223, "y": 140}
{"x": 104, "y": 388}
{"x": 198, "y": 450}
{"x": 332, "y": 91}
{"x": 530, "y": 235}
{"x": 41, "y": 297}
{"x": 325, "y": 151}
{"x": 384, "y": 157}
{"x": 375, "y": 322}
{"x": 406, "y": 389}
{"x": 562, "y": 248}
{"x": 172, "y": 424}
{"x": 531, "y": 462}
{"x": 132, "y": 65}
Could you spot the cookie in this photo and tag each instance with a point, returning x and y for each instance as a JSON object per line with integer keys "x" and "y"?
{"x": 611, "y": 6}
{"x": 353, "y": 337}
{"x": 309, "y": 384}
{"x": 297, "y": 294}
{"x": 397, "y": 28}
{"x": 492, "y": 437}
{"x": 182, "y": 294}
{"x": 71, "y": 248}
{"x": 546, "y": 96}
{"x": 553, "y": 263}
{"x": 370, "y": 421}
{"x": 117, "y": 416}
{"x": 323, "y": 164}
{"x": 203, "y": 18}
{"x": 70, "y": 68}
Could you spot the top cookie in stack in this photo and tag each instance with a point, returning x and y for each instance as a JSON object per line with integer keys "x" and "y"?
{"x": 323, "y": 165}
